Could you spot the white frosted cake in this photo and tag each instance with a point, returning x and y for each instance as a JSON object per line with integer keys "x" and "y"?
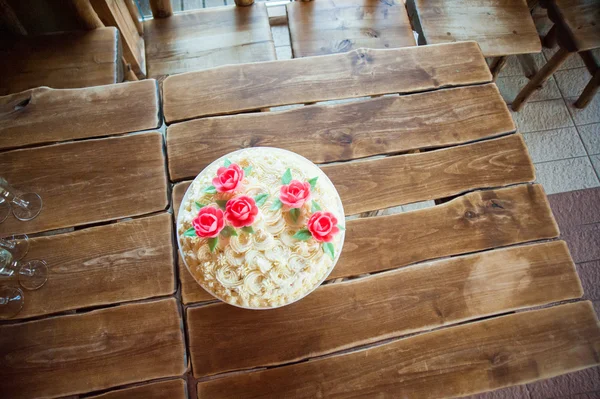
{"x": 260, "y": 227}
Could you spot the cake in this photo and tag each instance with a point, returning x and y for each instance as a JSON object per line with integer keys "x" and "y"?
{"x": 260, "y": 227}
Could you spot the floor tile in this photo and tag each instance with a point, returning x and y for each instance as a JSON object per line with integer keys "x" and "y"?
{"x": 590, "y": 134}
{"x": 588, "y": 115}
{"x": 566, "y": 175}
{"x": 571, "y": 82}
{"x": 552, "y": 145}
{"x": 589, "y": 273}
{"x": 576, "y": 208}
{"x": 284, "y": 53}
{"x": 583, "y": 242}
{"x": 574, "y": 60}
{"x": 518, "y": 392}
{"x": 281, "y": 35}
{"x": 542, "y": 115}
{"x": 513, "y": 67}
{"x": 563, "y": 386}
{"x": 510, "y": 86}
{"x": 417, "y": 205}
{"x": 214, "y": 3}
{"x": 596, "y": 163}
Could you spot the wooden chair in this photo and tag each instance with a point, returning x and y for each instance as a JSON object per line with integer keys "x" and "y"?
{"x": 201, "y": 39}
{"x": 501, "y": 27}
{"x": 335, "y": 26}
{"x": 576, "y": 30}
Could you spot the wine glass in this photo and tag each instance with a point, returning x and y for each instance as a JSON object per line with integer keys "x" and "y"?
{"x": 4, "y": 209}
{"x": 25, "y": 206}
{"x": 11, "y": 298}
{"x": 31, "y": 275}
{"x": 18, "y": 246}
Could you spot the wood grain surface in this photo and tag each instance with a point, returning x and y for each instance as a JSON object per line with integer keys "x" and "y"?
{"x": 382, "y": 183}
{"x": 578, "y": 20}
{"x": 371, "y": 309}
{"x": 502, "y": 27}
{"x": 88, "y": 181}
{"x": 171, "y": 389}
{"x": 207, "y": 38}
{"x": 115, "y": 263}
{"x": 362, "y": 72}
{"x": 325, "y": 133}
{"x": 336, "y": 26}
{"x": 60, "y": 60}
{"x": 44, "y": 115}
{"x": 473, "y": 222}
{"x": 91, "y": 351}
{"x": 451, "y": 362}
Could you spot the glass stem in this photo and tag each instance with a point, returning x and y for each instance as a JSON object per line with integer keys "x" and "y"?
{"x": 7, "y": 244}
{"x": 19, "y": 202}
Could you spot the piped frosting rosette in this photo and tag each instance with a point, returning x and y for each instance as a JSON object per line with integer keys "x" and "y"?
{"x": 260, "y": 228}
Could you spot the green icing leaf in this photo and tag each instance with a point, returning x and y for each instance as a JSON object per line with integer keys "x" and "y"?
{"x": 329, "y": 250}
{"x": 341, "y": 227}
{"x": 227, "y": 162}
{"x": 228, "y": 231}
{"x": 302, "y": 235}
{"x": 294, "y": 213}
{"x": 315, "y": 207}
{"x": 276, "y": 205}
{"x": 313, "y": 182}
{"x": 210, "y": 189}
{"x": 247, "y": 170}
{"x": 287, "y": 177}
{"x": 212, "y": 243}
{"x": 199, "y": 205}
{"x": 191, "y": 232}
{"x": 260, "y": 199}
{"x": 248, "y": 229}
{"x": 221, "y": 203}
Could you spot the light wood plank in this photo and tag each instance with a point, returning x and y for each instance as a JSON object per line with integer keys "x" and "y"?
{"x": 501, "y": 27}
{"x": 171, "y": 389}
{"x": 325, "y": 133}
{"x": 335, "y": 26}
{"x": 382, "y": 183}
{"x": 61, "y": 60}
{"x": 361, "y": 72}
{"x": 44, "y": 115}
{"x": 451, "y": 362}
{"x": 473, "y": 222}
{"x": 89, "y": 181}
{"x": 91, "y": 351}
{"x": 108, "y": 264}
{"x": 116, "y": 13}
{"x": 207, "y": 38}
{"x": 418, "y": 298}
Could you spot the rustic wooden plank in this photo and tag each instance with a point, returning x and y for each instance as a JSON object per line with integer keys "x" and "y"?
{"x": 61, "y": 60}
{"x": 171, "y": 389}
{"x": 473, "y": 222}
{"x": 44, "y": 115}
{"x": 86, "y": 352}
{"x": 325, "y": 133}
{"x": 89, "y": 181}
{"x": 457, "y": 361}
{"x": 108, "y": 264}
{"x": 392, "y": 181}
{"x": 362, "y": 72}
{"x": 116, "y": 13}
{"x": 579, "y": 20}
{"x": 191, "y": 291}
{"x": 207, "y": 38}
{"x": 392, "y": 304}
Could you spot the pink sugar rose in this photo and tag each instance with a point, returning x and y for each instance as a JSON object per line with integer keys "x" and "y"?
{"x": 323, "y": 226}
{"x": 209, "y": 222}
{"x": 294, "y": 194}
{"x": 228, "y": 178}
{"x": 241, "y": 211}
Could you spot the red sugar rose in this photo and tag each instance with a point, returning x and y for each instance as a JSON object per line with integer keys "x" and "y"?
{"x": 241, "y": 211}
{"x": 294, "y": 194}
{"x": 228, "y": 178}
{"x": 323, "y": 226}
{"x": 209, "y": 222}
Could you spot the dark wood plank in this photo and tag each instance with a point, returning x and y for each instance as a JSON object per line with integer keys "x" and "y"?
{"x": 91, "y": 351}
{"x": 361, "y": 72}
{"x": 45, "y": 115}
{"x": 89, "y": 181}
{"x": 60, "y": 60}
{"x": 325, "y": 133}
{"x": 578, "y": 20}
{"x": 119, "y": 262}
{"x": 418, "y": 298}
{"x": 474, "y": 222}
{"x": 336, "y": 26}
{"x": 451, "y": 362}
{"x": 207, "y": 38}
{"x": 171, "y": 389}
{"x": 391, "y": 181}
{"x": 502, "y": 27}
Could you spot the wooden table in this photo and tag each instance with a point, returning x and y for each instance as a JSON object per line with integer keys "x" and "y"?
{"x": 458, "y": 298}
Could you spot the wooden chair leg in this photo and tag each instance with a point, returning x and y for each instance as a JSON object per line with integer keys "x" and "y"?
{"x": 590, "y": 90}
{"x": 527, "y": 65}
{"x": 538, "y": 80}
{"x": 161, "y": 8}
{"x": 590, "y": 62}
{"x": 244, "y": 3}
{"x": 549, "y": 40}
{"x": 497, "y": 65}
